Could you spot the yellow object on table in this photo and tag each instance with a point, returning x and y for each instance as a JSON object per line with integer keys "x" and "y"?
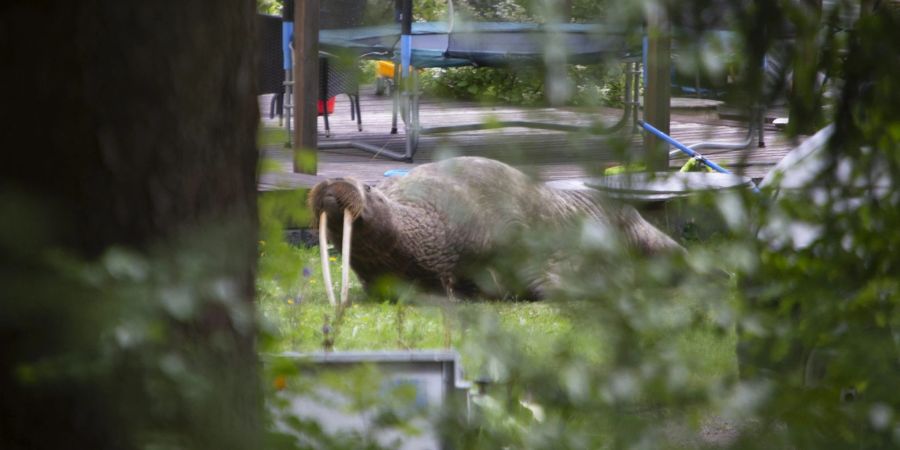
{"x": 385, "y": 69}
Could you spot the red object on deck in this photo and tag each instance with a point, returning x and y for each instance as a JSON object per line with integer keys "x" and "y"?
{"x": 330, "y": 103}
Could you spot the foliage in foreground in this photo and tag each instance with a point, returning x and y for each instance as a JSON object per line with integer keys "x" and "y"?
{"x": 618, "y": 350}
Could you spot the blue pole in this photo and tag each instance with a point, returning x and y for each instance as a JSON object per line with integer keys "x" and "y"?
{"x": 686, "y": 150}
{"x": 405, "y": 37}
{"x": 405, "y": 54}
{"x": 682, "y": 147}
{"x": 287, "y": 33}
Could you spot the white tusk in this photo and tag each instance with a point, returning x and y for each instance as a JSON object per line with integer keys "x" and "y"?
{"x": 345, "y": 257}
{"x": 323, "y": 252}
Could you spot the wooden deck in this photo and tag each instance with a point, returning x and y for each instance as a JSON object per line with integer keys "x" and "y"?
{"x": 547, "y": 155}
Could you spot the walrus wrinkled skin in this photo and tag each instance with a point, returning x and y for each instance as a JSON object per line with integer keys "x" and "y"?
{"x": 441, "y": 224}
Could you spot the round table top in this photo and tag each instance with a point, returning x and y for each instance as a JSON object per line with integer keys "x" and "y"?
{"x": 659, "y": 186}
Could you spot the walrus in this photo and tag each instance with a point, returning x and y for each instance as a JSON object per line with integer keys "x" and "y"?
{"x": 440, "y": 226}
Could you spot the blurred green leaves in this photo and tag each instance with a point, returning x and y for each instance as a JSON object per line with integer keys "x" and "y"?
{"x": 134, "y": 339}
{"x": 797, "y": 350}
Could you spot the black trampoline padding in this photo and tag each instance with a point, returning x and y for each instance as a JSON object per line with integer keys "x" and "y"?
{"x": 438, "y": 44}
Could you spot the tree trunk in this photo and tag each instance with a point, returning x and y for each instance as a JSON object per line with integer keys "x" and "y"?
{"x": 131, "y": 126}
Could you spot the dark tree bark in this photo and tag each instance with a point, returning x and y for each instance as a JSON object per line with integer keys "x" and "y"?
{"x": 134, "y": 125}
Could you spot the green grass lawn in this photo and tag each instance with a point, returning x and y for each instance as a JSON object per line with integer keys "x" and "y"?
{"x": 294, "y": 308}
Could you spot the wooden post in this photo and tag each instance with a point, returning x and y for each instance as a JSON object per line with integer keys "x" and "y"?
{"x": 306, "y": 85}
{"x": 657, "y": 90}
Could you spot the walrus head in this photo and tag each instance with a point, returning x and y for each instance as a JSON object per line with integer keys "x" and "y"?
{"x": 337, "y": 195}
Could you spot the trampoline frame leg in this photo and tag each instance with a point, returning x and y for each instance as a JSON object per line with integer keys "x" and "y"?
{"x": 288, "y": 106}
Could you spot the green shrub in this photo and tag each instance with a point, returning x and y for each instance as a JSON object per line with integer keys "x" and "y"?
{"x": 595, "y": 85}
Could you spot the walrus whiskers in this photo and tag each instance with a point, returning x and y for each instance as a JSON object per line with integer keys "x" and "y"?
{"x": 323, "y": 253}
{"x": 345, "y": 258}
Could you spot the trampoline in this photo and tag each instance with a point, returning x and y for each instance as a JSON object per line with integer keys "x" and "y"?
{"x": 383, "y": 30}
{"x": 479, "y": 44}
{"x": 487, "y": 44}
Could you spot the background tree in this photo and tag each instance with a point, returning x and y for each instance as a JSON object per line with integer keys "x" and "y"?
{"x": 128, "y": 199}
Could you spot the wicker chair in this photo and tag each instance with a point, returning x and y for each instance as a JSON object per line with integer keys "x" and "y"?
{"x": 336, "y": 76}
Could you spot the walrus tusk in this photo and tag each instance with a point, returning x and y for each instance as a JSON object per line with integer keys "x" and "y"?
{"x": 323, "y": 253}
{"x": 345, "y": 257}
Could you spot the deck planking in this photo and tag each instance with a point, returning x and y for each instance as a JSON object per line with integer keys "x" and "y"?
{"x": 547, "y": 155}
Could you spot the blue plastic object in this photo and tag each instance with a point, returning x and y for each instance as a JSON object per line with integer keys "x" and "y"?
{"x": 396, "y": 172}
